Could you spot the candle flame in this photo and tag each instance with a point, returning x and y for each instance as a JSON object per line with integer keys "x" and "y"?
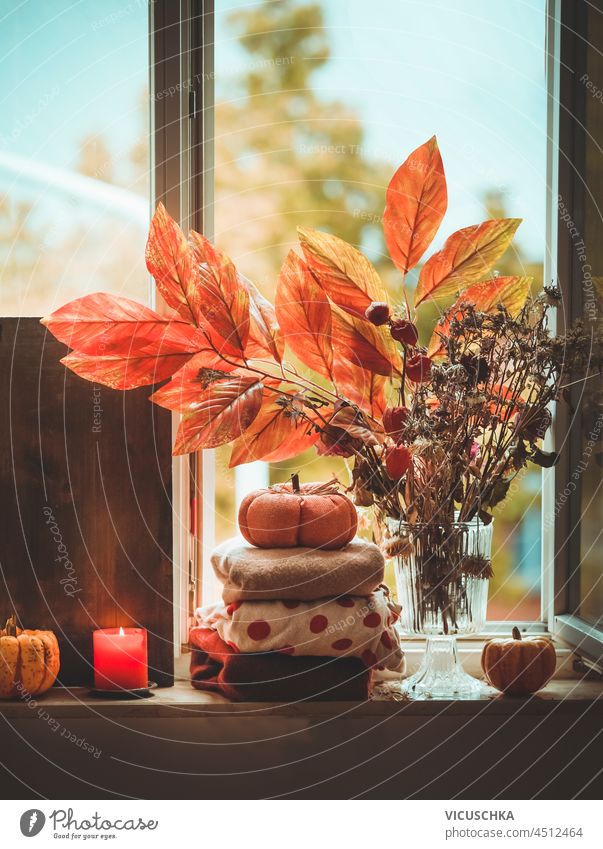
{"x": 121, "y": 631}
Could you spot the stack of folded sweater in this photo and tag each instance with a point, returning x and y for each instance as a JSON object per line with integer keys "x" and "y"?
{"x": 295, "y": 623}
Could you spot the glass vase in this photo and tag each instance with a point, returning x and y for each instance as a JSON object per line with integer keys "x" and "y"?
{"x": 442, "y": 576}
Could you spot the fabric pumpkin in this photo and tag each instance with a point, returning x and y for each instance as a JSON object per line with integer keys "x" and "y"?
{"x": 29, "y": 661}
{"x": 519, "y": 667}
{"x": 287, "y": 515}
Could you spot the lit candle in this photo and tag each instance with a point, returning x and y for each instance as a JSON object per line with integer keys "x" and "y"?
{"x": 120, "y": 658}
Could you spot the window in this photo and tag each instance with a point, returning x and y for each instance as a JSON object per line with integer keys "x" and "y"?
{"x": 316, "y": 106}
{"x": 74, "y": 157}
{"x": 268, "y": 115}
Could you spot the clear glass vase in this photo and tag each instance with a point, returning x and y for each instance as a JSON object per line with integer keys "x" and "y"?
{"x": 442, "y": 576}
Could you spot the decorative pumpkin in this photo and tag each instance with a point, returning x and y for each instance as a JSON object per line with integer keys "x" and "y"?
{"x": 288, "y": 515}
{"x": 519, "y": 667}
{"x": 29, "y": 661}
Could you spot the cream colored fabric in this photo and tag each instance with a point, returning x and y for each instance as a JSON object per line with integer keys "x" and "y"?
{"x": 300, "y": 574}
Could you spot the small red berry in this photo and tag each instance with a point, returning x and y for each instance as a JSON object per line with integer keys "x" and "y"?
{"x": 394, "y": 420}
{"x": 404, "y": 331}
{"x": 377, "y": 313}
{"x": 397, "y": 462}
{"x": 418, "y": 368}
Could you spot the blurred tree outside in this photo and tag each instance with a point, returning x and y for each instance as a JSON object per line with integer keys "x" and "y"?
{"x": 284, "y": 155}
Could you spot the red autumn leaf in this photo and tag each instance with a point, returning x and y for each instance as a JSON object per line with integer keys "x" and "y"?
{"x": 361, "y": 387}
{"x": 125, "y": 372}
{"x": 485, "y": 296}
{"x": 274, "y": 435}
{"x": 345, "y": 274}
{"x": 467, "y": 256}
{"x": 109, "y": 325}
{"x": 223, "y": 297}
{"x": 304, "y": 313}
{"x": 226, "y": 409}
{"x": 265, "y": 336}
{"x": 415, "y": 204}
{"x": 171, "y": 262}
{"x": 363, "y": 344}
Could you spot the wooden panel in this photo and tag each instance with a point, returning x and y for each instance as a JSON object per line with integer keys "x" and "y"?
{"x": 86, "y": 520}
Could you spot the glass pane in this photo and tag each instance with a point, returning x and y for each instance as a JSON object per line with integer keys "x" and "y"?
{"x": 589, "y": 464}
{"x": 318, "y": 103}
{"x": 74, "y": 161}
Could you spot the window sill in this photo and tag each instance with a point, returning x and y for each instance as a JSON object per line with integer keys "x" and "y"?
{"x": 566, "y": 696}
{"x": 568, "y": 692}
{"x": 470, "y": 654}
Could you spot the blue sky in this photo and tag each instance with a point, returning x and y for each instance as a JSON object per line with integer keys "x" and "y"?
{"x": 69, "y": 69}
{"x": 471, "y": 71}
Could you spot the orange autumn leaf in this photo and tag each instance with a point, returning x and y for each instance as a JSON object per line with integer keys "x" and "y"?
{"x": 415, "y": 204}
{"x": 274, "y": 435}
{"x": 363, "y": 344}
{"x": 304, "y": 313}
{"x": 188, "y": 384}
{"x": 125, "y": 372}
{"x": 345, "y": 274}
{"x": 225, "y": 410}
{"x": 511, "y": 292}
{"x": 171, "y": 262}
{"x": 111, "y": 325}
{"x": 223, "y": 297}
{"x": 361, "y": 387}
{"x": 466, "y": 257}
{"x": 265, "y": 336}
{"x": 504, "y": 396}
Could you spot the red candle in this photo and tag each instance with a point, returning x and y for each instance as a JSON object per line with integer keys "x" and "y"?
{"x": 120, "y": 658}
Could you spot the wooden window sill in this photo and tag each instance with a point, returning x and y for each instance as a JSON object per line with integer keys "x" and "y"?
{"x": 567, "y": 696}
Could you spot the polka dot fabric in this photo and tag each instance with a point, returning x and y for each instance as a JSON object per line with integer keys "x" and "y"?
{"x": 353, "y": 626}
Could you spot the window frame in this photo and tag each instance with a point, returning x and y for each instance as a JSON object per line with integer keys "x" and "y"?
{"x": 181, "y": 97}
{"x": 567, "y": 53}
{"x": 182, "y": 56}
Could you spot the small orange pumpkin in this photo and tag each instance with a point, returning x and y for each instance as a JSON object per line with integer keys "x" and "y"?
{"x": 288, "y": 515}
{"x": 519, "y": 667}
{"x": 29, "y": 661}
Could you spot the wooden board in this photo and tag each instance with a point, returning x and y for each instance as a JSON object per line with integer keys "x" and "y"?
{"x": 86, "y": 517}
